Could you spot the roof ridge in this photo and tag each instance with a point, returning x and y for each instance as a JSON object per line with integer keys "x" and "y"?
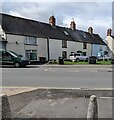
{"x": 24, "y": 18}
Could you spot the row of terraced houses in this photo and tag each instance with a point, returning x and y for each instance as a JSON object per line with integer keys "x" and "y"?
{"x": 37, "y": 40}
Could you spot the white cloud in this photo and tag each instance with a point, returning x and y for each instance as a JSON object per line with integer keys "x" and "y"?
{"x": 14, "y": 13}
{"x": 57, "y": 1}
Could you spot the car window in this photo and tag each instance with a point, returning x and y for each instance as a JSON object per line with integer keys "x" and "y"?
{"x": 6, "y": 55}
{"x": 13, "y": 54}
{"x": 77, "y": 54}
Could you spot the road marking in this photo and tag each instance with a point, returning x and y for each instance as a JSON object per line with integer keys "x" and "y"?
{"x": 94, "y": 71}
{"x": 107, "y": 97}
{"x": 74, "y": 71}
{"x": 46, "y": 70}
{"x": 52, "y": 70}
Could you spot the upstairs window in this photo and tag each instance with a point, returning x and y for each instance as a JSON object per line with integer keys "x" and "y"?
{"x": 84, "y": 45}
{"x": 31, "y": 40}
{"x": 64, "y": 44}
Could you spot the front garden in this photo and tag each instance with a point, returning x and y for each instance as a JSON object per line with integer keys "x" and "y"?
{"x": 68, "y": 62}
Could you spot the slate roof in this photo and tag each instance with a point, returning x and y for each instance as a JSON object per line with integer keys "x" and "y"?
{"x": 27, "y": 27}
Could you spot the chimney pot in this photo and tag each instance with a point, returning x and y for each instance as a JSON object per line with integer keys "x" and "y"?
{"x": 90, "y": 30}
{"x": 73, "y": 25}
{"x": 52, "y": 20}
{"x": 109, "y": 32}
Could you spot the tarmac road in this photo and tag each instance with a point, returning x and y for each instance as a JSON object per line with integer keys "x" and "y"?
{"x": 57, "y": 77}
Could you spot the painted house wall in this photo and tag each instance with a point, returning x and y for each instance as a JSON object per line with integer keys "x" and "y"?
{"x": 11, "y": 44}
{"x": 110, "y": 44}
{"x": 88, "y": 50}
{"x": 21, "y": 47}
{"x": 95, "y": 49}
{"x": 42, "y": 48}
{"x": 98, "y": 49}
{"x": 75, "y": 46}
{"x": 56, "y": 49}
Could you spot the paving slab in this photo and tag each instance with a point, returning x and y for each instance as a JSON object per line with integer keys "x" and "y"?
{"x": 55, "y": 108}
{"x": 54, "y": 103}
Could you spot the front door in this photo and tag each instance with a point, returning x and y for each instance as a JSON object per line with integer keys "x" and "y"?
{"x": 64, "y": 54}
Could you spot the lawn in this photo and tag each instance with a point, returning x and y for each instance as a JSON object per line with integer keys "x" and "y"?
{"x": 83, "y": 63}
{"x": 87, "y": 63}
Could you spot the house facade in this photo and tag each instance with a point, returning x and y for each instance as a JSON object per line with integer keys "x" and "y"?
{"x": 110, "y": 43}
{"x": 37, "y": 41}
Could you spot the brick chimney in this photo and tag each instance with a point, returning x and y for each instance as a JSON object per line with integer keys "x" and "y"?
{"x": 52, "y": 20}
{"x": 90, "y": 30}
{"x": 109, "y": 32}
{"x": 73, "y": 25}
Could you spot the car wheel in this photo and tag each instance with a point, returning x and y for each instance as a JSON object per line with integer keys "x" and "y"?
{"x": 86, "y": 60}
{"x": 77, "y": 60}
{"x": 17, "y": 64}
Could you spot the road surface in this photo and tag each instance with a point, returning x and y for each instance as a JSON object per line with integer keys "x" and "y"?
{"x": 57, "y": 77}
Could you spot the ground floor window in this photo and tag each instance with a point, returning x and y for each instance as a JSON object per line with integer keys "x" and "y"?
{"x": 64, "y": 54}
{"x": 31, "y": 54}
{"x": 2, "y": 45}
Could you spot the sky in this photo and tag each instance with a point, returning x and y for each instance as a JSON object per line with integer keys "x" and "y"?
{"x": 85, "y": 14}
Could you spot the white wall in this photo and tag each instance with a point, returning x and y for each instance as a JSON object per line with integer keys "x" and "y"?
{"x": 42, "y": 48}
{"x": 11, "y": 44}
{"x": 20, "y": 48}
{"x": 75, "y": 46}
{"x": 110, "y": 44}
{"x": 56, "y": 48}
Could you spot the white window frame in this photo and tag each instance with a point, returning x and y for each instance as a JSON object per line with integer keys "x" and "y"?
{"x": 29, "y": 52}
{"x": 30, "y": 40}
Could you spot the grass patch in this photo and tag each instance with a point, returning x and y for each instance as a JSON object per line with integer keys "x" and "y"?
{"x": 87, "y": 63}
{"x": 104, "y": 62}
{"x": 82, "y": 63}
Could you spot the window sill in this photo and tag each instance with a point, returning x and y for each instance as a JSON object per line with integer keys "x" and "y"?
{"x": 64, "y": 47}
{"x": 32, "y": 44}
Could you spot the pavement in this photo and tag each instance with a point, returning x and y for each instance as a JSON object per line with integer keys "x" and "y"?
{"x": 58, "y": 103}
{"x": 71, "y": 66}
{"x": 32, "y": 102}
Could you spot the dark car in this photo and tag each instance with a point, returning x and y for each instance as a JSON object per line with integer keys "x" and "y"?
{"x": 11, "y": 58}
{"x": 92, "y": 59}
{"x": 112, "y": 60}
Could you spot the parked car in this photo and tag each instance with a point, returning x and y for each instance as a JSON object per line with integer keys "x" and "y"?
{"x": 92, "y": 59}
{"x": 112, "y": 60}
{"x": 78, "y": 57}
{"x": 11, "y": 58}
{"x": 105, "y": 58}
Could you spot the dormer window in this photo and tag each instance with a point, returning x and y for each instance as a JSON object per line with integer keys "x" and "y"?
{"x": 84, "y": 36}
{"x": 66, "y": 33}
